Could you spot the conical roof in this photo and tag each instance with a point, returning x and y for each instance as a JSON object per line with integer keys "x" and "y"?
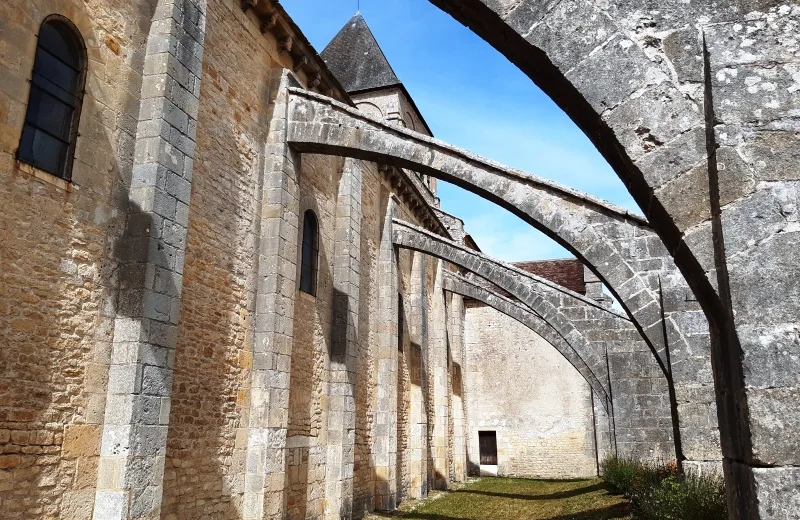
{"x": 356, "y": 59}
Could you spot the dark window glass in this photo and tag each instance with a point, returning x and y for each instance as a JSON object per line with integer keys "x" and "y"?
{"x": 487, "y": 444}
{"x": 51, "y": 121}
{"x": 401, "y": 322}
{"x": 308, "y": 264}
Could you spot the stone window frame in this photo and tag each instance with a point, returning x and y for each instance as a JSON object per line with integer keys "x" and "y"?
{"x": 82, "y": 60}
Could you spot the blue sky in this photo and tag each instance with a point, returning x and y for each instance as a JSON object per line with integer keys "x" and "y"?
{"x": 472, "y": 97}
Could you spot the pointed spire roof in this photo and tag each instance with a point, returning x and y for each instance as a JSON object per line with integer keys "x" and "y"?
{"x": 356, "y": 59}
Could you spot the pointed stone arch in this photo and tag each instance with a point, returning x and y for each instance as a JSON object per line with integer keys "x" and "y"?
{"x": 588, "y": 327}
{"x": 619, "y": 246}
{"x": 596, "y": 374}
{"x": 664, "y": 91}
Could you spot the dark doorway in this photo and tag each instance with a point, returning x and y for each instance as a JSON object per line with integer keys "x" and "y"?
{"x": 487, "y": 443}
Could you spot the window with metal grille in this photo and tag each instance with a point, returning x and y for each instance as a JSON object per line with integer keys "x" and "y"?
{"x": 487, "y": 444}
{"x": 54, "y": 104}
{"x": 310, "y": 252}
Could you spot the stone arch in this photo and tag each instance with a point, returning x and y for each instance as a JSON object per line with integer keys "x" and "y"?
{"x": 596, "y": 375}
{"x": 541, "y": 296}
{"x": 667, "y": 93}
{"x": 370, "y": 108}
{"x": 613, "y": 242}
{"x": 620, "y": 247}
{"x": 617, "y": 81}
{"x": 628, "y": 371}
{"x": 557, "y": 306}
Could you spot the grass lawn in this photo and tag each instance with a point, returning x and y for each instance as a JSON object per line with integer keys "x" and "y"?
{"x": 520, "y": 499}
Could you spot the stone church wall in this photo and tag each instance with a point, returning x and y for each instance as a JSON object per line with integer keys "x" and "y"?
{"x": 58, "y": 242}
{"x": 374, "y": 200}
{"x": 519, "y": 386}
{"x": 415, "y": 405}
{"x": 206, "y": 442}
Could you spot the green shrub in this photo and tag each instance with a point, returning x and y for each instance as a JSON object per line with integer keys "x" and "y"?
{"x": 664, "y": 501}
{"x": 657, "y": 492}
{"x": 694, "y": 498}
{"x": 620, "y": 473}
{"x": 705, "y": 498}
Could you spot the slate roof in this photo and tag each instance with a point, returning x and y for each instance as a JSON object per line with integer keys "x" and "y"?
{"x": 356, "y": 59}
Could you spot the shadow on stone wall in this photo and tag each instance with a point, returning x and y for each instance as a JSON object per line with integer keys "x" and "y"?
{"x": 305, "y": 451}
{"x": 58, "y": 294}
{"x": 364, "y": 477}
{"x": 207, "y": 442}
{"x": 403, "y": 403}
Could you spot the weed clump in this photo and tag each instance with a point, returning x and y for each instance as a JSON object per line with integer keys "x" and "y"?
{"x": 658, "y": 492}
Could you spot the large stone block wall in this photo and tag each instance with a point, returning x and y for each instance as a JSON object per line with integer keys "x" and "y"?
{"x": 714, "y": 168}
{"x": 383, "y": 376}
{"x": 405, "y": 368}
{"x": 415, "y": 456}
{"x": 642, "y": 419}
{"x": 439, "y": 433}
{"x": 309, "y": 380}
{"x": 544, "y": 421}
{"x": 59, "y": 242}
{"x": 374, "y": 201}
{"x": 242, "y": 415}
{"x": 458, "y": 425}
{"x": 207, "y": 441}
{"x": 618, "y": 245}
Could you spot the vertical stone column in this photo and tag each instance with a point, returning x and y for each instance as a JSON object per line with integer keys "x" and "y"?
{"x": 752, "y": 103}
{"x": 418, "y": 415}
{"x": 384, "y": 449}
{"x": 265, "y": 478}
{"x": 455, "y": 335}
{"x": 344, "y": 346}
{"x": 439, "y": 397}
{"x": 151, "y": 255}
{"x": 602, "y": 430}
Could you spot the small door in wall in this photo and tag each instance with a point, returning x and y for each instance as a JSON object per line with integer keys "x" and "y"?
{"x": 487, "y": 444}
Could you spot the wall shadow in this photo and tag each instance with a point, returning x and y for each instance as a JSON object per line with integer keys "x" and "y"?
{"x": 214, "y": 355}
{"x": 549, "y": 496}
{"x": 58, "y": 285}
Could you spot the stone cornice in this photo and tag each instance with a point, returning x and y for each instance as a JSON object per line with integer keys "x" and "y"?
{"x": 273, "y": 19}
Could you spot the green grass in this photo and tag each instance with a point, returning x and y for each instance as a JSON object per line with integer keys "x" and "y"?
{"x": 521, "y": 499}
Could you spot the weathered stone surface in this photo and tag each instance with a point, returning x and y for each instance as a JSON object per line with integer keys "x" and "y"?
{"x": 595, "y": 375}
{"x": 550, "y": 433}
{"x": 160, "y": 361}
{"x": 594, "y": 228}
{"x": 749, "y": 57}
{"x": 590, "y": 333}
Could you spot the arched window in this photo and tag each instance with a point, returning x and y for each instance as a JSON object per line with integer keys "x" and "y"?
{"x": 54, "y": 105}
{"x": 308, "y": 263}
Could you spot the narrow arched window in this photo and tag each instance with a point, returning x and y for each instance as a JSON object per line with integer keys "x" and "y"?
{"x": 308, "y": 263}
{"x": 54, "y": 104}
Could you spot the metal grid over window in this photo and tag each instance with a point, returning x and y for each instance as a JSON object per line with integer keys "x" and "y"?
{"x": 51, "y": 121}
{"x": 310, "y": 253}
